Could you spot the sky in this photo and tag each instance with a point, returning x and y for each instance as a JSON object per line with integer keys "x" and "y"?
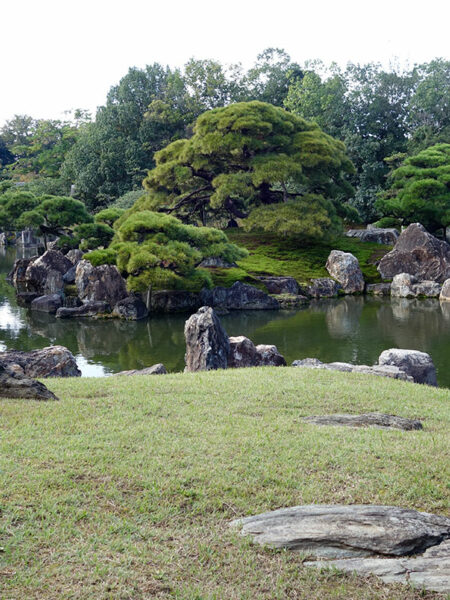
{"x": 59, "y": 55}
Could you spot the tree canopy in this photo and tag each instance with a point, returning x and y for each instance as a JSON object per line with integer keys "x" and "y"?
{"x": 420, "y": 189}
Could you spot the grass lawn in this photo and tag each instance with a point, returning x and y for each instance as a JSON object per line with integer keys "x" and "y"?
{"x": 270, "y": 255}
{"x": 124, "y": 489}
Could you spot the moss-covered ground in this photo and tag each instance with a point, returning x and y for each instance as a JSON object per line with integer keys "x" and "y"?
{"x": 124, "y": 489}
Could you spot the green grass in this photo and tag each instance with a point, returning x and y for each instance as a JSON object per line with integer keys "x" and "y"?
{"x": 124, "y": 489}
{"x": 270, "y": 255}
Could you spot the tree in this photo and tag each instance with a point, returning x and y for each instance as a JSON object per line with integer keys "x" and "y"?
{"x": 420, "y": 189}
{"x": 249, "y": 155}
{"x": 157, "y": 250}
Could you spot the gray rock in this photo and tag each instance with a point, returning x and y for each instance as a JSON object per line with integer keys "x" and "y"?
{"x": 72, "y": 302}
{"x": 280, "y": 285}
{"x": 242, "y": 353}
{"x": 307, "y": 362}
{"x": 99, "y": 284}
{"x": 418, "y": 365}
{"x": 213, "y": 262}
{"x": 344, "y": 267}
{"x": 69, "y": 277}
{"x": 90, "y": 309}
{"x": 44, "y": 275}
{"x": 158, "y": 369}
{"x": 378, "y": 420}
{"x": 74, "y": 256}
{"x": 207, "y": 344}
{"x": 333, "y": 531}
{"x": 377, "y": 235}
{"x": 418, "y": 253}
{"x": 290, "y": 301}
{"x": 323, "y": 287}
{"x": 379, "y": 289}
{"x": 173, "y": 301}
{"x": 26, "y": 298}
{"x": 239, "y": 296}
{"x": 49, "y": 303}
{"x": 429, "y": 289}
{"x": 391, "y": 371}
{"x": 131, "y": 309}
{"x": 54, "y": 361}
{"x": 444, "y": 296}
{"x": 268, "y": 356}
{"x": 17, "y": 275}
{"x": 430, "y": 571}
{"x": 402, "y": 286}
{"x": 15, "y": 385}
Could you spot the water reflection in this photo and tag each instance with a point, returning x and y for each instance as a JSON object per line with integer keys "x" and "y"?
{"x": 353, "y": 329}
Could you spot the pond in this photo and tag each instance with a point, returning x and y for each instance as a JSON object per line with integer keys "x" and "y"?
{"x": 351, "y": 329}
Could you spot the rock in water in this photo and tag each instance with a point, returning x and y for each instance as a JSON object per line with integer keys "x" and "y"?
{"x": 131, "y": 309}
{"x": 405, "y": 285}
{"x": 158, "y": 369}
{"x": 334, "y": 531}
{"x": 419, "y": 365}
{"x": 99, "y": 284}
{"x": 89, "y": 309}
{"x": 378, "y": 420}
{"x": 44, "y": 275}
{"x": 280, "y": 285}
{"x": 207, "y": 344}
{"x": 379, "y": 289}
{"x": 344, "y": 267}
{"x": 444, "y": 296}
{"x": 239, "y": 296}
{"x": 48, "y": 304}
{"x": 323, "y": 287}
{"x": 54, "y": 361}
{"x": 13, "y": 385}
{"x": 418, "y": 253}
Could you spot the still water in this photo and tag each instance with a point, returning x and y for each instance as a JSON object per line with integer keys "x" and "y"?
{"x": 351, "y": 329}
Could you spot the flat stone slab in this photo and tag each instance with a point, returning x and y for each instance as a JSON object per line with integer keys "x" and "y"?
{"x": 338, "y": 532}
{"x": 430, "y": 571}
{"x": 158, "y": 369}
{"x": 378, "y": 420}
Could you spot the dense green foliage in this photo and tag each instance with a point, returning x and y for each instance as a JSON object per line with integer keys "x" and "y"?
{"x": 420, "y": 189}
{"x": 153, "y": 249}
{"x": 253, "y": 155}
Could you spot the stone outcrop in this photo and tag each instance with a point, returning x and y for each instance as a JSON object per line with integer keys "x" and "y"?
{"x": 379, "y": 289}
{"x": 69, "y": 277}
{"x": 377, "y": 420}
{"x": 158, "y": 369}
{"x": 173, "y": 301}
{"x": 244, "y": 353}
{"x": 418, "y": 365}
{"x": 334, "y": 531}
{"x": 131, "y": 309}
{"x": 239, "y": 296}
{"x": 44, "y": 275}
{"x": 17, "y": 275}
{"x": 418, "y": 253}
{"x": 90, "y": 309}
{"x": 444, "y": 296}
{"x": 54, "y": 361}
{"x": 97, "y": 284}
{"x": 207, "y": 344}
{"x": 344, "y": 267}
{"x": 323, "y": 287}
{"x": 268, "y": 356}
{"x": 15, "y": 385}
{"x": 75, "y": 256}
{"x": 377, "y": 235}
{"x": 391, "y": 371}
{"x": 49, "y": 303}
{"x": 406, "y": 286}
{"x": 280, "y": 285}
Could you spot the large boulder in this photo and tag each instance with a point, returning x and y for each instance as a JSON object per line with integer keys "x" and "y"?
{"x": 344, "y": 267}
{"x": 407, "y": 286}
{"x": 207, "y": 344}
{"x": 173, "y": 301}
{"x": 90, "y": 309}
{"x": 54, "y": 361}
{"x": 418, "y": 253}
{"x": 44, "y": 275}
{"x": 323, "y": 287}
{"x": 239, "y": 296}
{"x": 158, "y": 369}
{"x": 97, "y": 284}
{"x": 17, "y": 274}
{"x": 444, "y": 296}
{"x": 280, "y": 285}
{"x": 75, "y": 256}
{"x": 242, "y": 353}
{"x": 418, "y": 365}
{"x": 15, "y": 385}
{"x": 379, "y": 289}
{"x": 131, "y": 309}
{"x": 376, "y": 235}
{"x": 268, "y": 356}
{"x": 49, "y": 303}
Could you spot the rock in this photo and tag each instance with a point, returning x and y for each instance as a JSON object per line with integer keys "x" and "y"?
{"x": 69, "y": 277}
{"x": 380, "y": 370}
{"x": 90, "y": 309}
{"x": 74, "y": 256}
{"x": 242, "y": 353}
{"x": 49, "y": 303}
{"x": 323, "y": 287}
{"x": 430, "y": 571}
{"x": 268, "y": 356}
{"x": 99, "y": 284}
{"x": 207, "y": 344}
{"x": 17, "y": 275}
{"x": 213, "y": 262}
{"x": 334, "y": 531}
{"x": 239, "y": 296}
{"x": 344, "y": 267}
{"x": 418, "y": 253}
{"x": 26, "y": 298}
{"x": 379, "y": 289}
{"x": 131, "y": 309}
{"x": 290, "y": 301}
{"x": 158, "y": 369}
{"x": 402, "y": 286}
{"x": 444, "y": 296}
{"x": 173, "y": 301}
{"x": 44, "y": 275}
{"x": 14, "y": 385}
{"x": 377, "y": 235}
{"x": 54, "y": 361}
{"x": 307, "y": 362}
{"x": 74, "y": 302}
{"x": 418, "y": 365}
{"x": 378, "y": 420}
{"x": 429, "y": 289}
{"x": 280, "y": 285}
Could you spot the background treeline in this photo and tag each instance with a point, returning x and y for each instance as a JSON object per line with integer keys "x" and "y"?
{"x": 382, "y": 116}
